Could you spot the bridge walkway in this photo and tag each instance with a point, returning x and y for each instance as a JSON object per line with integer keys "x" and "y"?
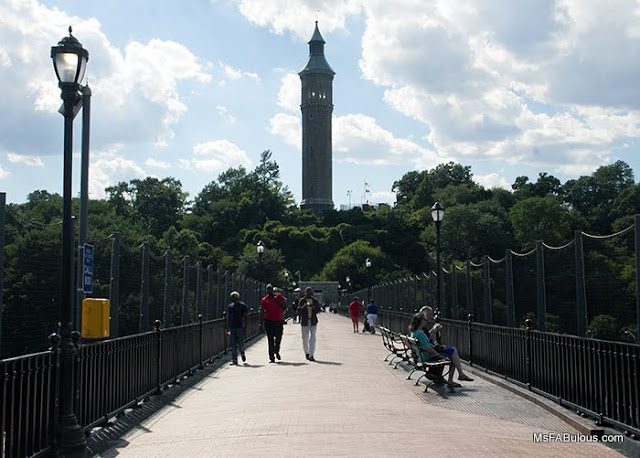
{"x": 347, "y": 403}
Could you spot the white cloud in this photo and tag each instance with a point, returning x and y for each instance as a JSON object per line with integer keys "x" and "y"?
{"x": 151, "y": 162}
{"x": 492, "y": 180}
{"x": 386, "y": 197}
{"x": 4, "y": 173}
{"x": 358, "y": 139}
{"x": 216, "y": 156}
{"x": 136, "y": 97}
{"x": 298, "y": 16}
{"x": 224, "y": 112}
{"x": 236, "y": 74}
{"x": 289, "y": 93}
{"x": 31, "y": 161}
{"x": 107, "y": 172}
{"x": 288, "y": 128}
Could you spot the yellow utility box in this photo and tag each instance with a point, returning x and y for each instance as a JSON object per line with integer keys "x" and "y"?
{"x": 95, "y": 318}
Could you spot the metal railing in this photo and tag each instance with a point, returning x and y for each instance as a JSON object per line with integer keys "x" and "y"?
{"x": 595, "y": 377}
{"x": 109, "y": 376}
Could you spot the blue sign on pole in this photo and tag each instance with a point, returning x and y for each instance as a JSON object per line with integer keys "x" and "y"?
{"x": 87, "y": 262}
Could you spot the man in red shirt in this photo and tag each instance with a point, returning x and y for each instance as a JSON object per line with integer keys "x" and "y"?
{"x": 354, "y": 312}
{"x": 272, "y": 306}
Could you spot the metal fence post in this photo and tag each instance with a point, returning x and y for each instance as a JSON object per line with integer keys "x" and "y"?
{"x": 527, "y": 334}
{"x": 210, "y": 292}
{"x": 198, "y": 287}
{"x": 454, "y": 293}
{"x": 144, "y": 287}
{"x": 486, "y": 274}
{"x": 157, "y": 324}
{"x": 469, "y": 288}
{"x": 581, "y": 291}
{"x": 470, "y": 330}
{"x": 114, "y": 284}
{"x": 201, "y": 328}
{"x": 511, "y": 312}
{"x": 541, "y": 296}
{"x": 3, "y": 200}
{"x": 185, "y": 290}
{"x": 168, "y": 288}
{"x": 636, "y": 223}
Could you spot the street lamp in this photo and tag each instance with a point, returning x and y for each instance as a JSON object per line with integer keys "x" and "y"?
{"x": 348, "y": 279}
{"x": 69, "y": 62}
{"x": 260, "y": 250}
{"x": 297, "y": 273}
{"x": 286, "y": 280}
{"x": 367, "y": 264}
{"x": 437, "y": 213}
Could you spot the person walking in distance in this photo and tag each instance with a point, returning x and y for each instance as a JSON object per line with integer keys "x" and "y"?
{"x": 354, "y": 312}
{"x": 236, "y": 326}
{"x": 308, "y": 309}
{"x": 372, "y": 315}
{"x": 272, "y": 306}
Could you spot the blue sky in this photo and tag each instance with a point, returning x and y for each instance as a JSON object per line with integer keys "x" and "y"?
{"x": 189, "y": 89}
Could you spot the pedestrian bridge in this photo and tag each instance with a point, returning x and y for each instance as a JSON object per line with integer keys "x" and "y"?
{"x": 173, "y": 393}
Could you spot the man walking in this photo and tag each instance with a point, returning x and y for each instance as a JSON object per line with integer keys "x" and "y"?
{"x": 236, "y": 325}
{"x": 272, "y": 306}
{"x": 308, "y": 309}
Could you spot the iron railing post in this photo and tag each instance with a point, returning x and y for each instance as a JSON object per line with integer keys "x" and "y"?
{"x": 527, "y": 334}
{"x": 541, "y": 297}
{"x": 486, "y": 274}
{"x": 636, "y": 224}
{"x": 114, "y": 285}
{"x": 157, "y": 324}
{"x": 470, "y": 330}
{"x": 185, "y": 290}
{"x": 201, "y": 328}
{"x": 144, "y": 293}
{"x": 469, "y": 288}
{"x": 3, "y": 200}
{"x": 168, "y": 288}
{"x": 511, "y": 312}
{"x": 581, "y": 291}
{"x": 198, "y": 288}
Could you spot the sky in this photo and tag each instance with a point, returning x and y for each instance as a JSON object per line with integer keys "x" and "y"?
{"x": 189, "y": 89}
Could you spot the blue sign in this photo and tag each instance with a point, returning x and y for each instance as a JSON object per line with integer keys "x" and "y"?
{"x": 87, "y": 271}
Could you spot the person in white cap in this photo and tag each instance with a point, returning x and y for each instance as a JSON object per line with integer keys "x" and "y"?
{"x": 236, "y": 325}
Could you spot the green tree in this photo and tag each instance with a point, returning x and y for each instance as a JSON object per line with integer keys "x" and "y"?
{"x": 540, "y": 218}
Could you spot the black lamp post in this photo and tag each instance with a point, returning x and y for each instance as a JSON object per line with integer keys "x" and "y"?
{"x": 437, "y": 213}
{"x": 348, "y": 279}
{"x": 286, "y": 280}
{"x": 69, "y": 62}
{"x": 260, "y": 250}
{"x": 367, "y": 264}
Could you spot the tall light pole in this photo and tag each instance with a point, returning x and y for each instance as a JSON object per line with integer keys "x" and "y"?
{"x": 69, "y": 62}
{"x": 286, "y": 280}
{"x": 260, "y": 250}
{"x": 348, "y": 280}
{"x": 367, "y": 264}
{"x": 437, "y": 213}
{"x": 297, "y": 274}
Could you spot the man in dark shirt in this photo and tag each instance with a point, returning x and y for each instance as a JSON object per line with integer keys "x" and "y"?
{"x": 272, "y": 306}
{"x": 236, "y": 325}
{"x": 308, "y": 309}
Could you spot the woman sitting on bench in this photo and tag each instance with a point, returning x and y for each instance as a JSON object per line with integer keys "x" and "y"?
{"x": 429, "y": 353}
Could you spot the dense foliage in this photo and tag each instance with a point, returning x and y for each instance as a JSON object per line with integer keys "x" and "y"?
{"x": 221, "y": 225}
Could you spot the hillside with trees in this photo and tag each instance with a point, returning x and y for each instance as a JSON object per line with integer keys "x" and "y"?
{"x": 221, "y": 225}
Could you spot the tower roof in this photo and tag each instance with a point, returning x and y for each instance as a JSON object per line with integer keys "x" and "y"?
{"x": 317, "y": 62}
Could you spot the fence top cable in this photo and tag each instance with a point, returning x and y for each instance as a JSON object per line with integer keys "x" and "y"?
{"x": 523, "y": 254}
{"x": 496, "y": 261}
{"x": 568, "y": 244}
{"x": 623, "y": 231}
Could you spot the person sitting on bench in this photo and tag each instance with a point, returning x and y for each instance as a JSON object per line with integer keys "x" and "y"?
{"x": 434, "y": 332}
{"x": 429, "y": 353}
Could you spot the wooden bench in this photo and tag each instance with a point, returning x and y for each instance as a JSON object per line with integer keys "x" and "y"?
{"x": 397, "y": 348}
{"x": 433, "y": 371}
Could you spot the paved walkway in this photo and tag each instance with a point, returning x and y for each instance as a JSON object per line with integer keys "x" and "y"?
{"x": 348, "y": 403}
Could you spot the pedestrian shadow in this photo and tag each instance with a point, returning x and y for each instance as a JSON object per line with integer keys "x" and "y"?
{"x": 251, "y": 366}
{"x": 328, "y": 363}
{"x": 285, "y": 363}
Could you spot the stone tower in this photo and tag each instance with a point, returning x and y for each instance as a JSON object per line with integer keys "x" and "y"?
{"x": 317, "y": 108}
